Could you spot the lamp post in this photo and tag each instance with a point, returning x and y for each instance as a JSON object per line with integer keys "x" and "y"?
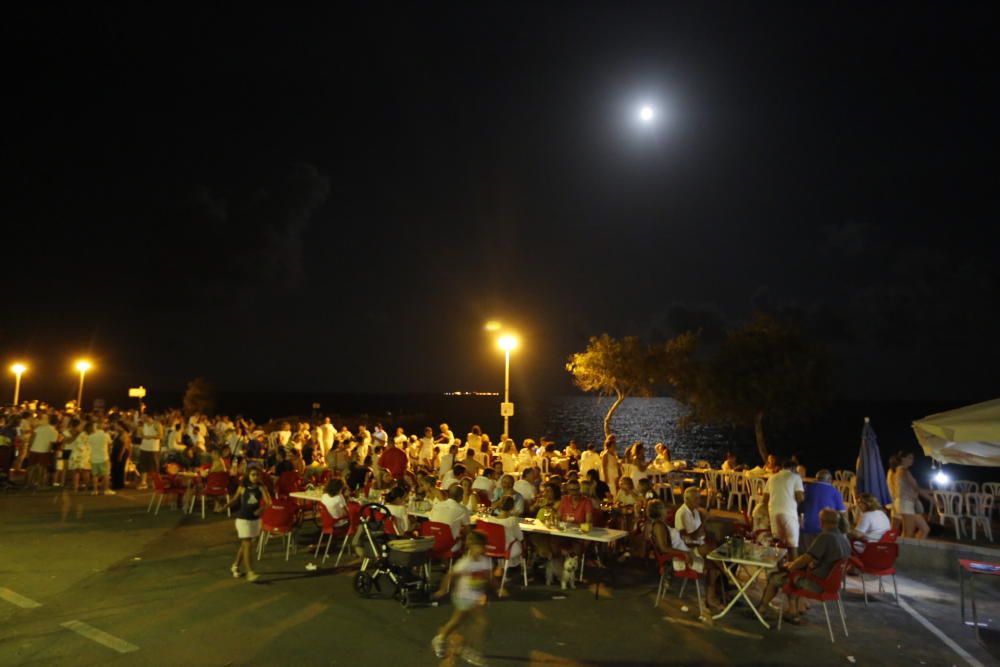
{"x": 506, "y": 343}
{"x": 82, "y": 366}
{"x": 17, "y": 370}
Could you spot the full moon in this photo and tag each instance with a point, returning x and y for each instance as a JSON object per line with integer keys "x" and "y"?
{"x": 646, "y": 114}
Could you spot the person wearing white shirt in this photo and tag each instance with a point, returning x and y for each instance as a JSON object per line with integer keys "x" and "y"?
{"x": 334, "y": 502}
{"x": 690, "y": 525}
{"x": 100, "y": 443}
{"x": 447, "y": 460}
{"x": 400, "y": 439}
{"x": 452, "y": 476}
{"x": 175, "y": 440}
{"x": 513, "y": 535}
{"x": 327, "y": 435}
{"x": 426, "y": 455}
{"x": 873, "y": 522}
{"x": 485, "y": 481}
{"x": 589, "y": 460}
{"x": 149, "y": 448}
{"x": 526, "y": 486}
{"x": 43, "y": 438}
{"x": 452, "y": 513}
{"x": 284, "y": 434}
{"x": 782, "y": 495}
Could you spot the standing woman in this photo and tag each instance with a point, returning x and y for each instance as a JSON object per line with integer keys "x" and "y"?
{"x": 611, "y": 467}
{"x": 906, "y": 494}
{"x": 121, "y": 452}
{"x": 253, "y": 498}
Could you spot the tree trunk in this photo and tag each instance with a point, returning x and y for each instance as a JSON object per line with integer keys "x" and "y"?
{"x": 611, "y": 411}
{"x": 758, "y": 432}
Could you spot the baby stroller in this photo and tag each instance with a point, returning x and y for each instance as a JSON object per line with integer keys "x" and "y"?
{"x": 385, "y": 555}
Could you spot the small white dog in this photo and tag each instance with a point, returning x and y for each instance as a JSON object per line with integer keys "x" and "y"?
{"x": 563, "y": 569}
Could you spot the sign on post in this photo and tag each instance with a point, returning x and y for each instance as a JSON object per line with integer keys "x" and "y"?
{"x": 137, "y": 392}
{"x": 506, "y": 409}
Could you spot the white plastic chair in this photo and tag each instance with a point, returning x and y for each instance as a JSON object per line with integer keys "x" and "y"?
{"x": 979, "y": 507}
{"x": 713, "y": 481}
{"x": 949, "y": 506}
{"x": 992, "y": 488}
{"x": 755, "y": 489}
{"x": 964, "y": 486}
{"x": 737, "y": 491}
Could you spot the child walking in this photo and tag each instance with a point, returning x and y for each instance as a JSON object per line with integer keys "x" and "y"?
{"x": 252, "y": 497}
{"x": 471, "y": 577}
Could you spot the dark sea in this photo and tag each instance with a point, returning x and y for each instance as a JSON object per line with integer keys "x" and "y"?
{"x": 830, "y": 441}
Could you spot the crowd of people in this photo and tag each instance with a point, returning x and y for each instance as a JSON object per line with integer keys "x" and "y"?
{"x": 452, "y": 478}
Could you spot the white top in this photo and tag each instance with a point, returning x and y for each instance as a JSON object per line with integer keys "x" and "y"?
{"x": 99, "y": 443}
{"x": 589, "y": 461}
{"x": 335, "y": 505}
{"x": 327, "y": 434}
{"x": 472, "y": 577}
{"x": 509, "y": 462}
{"x": 400, "y": 517}
{"x": 175, "y": 441}
{"x": 445, "y": 464}
{"x": 782, "y": 487}
{"x": 482, "y": 483}
{"x": 448, "y": 479}
{"x": 150, "y": 438}
{"x": 284, "y": 437}
{"x": 687, "y": 521}
{"x": 426, "y": 449}
{"x": 451, "y": 513}
{"x": 511, "y": 529}
{"x": 526, "y": 489}
{"x": 44, "y": 438}
{"x": 873, "y": 525}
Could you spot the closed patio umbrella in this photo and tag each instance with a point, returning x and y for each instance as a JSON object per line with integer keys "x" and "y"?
{"x": 871, "y": 473}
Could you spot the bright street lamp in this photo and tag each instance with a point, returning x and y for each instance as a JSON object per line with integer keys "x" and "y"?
{"x": 507, "y": 343}
{"x": 17, "y": 370}
{"x": 82, "y": 366}
{"x": 647, "y": 114}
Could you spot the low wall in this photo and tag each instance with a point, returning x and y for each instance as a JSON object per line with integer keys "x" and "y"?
{"x": 940, "y": 557}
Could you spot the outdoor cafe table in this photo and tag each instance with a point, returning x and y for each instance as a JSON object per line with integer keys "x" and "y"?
{"x": 966, "y": 570}
{"x": 756, "y": 559}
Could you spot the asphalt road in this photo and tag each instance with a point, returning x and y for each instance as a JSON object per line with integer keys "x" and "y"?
{"x": 159, "y": 589}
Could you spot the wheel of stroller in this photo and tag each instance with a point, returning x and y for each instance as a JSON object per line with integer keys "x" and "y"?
{"x": 363, "y": 584}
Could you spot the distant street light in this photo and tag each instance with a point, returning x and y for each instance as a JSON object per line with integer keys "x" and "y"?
{"x": 647, "y": 114}
{"x": 82, "y": 366}
{"x": 507, "y": 343}
{"x": 17, "y": 370}
{"x": 492, "y": 325}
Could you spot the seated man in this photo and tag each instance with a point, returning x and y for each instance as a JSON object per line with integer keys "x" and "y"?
{"x": 829, "y": 547}
{"x": 689, "y": 535}
{"x": 454, "y": 514}
{"x": 526, "y": 485}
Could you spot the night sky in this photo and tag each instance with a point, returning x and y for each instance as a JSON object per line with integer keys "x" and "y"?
{"x": 337, "y": 199}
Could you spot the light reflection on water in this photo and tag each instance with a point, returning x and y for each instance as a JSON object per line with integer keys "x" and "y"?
{"x": 647, "y": 420}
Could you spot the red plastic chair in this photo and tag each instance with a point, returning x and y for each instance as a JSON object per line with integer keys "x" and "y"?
{"x": 353, "y": 520}
{"x": 331, "y": 530}
{"x": 444, "y": 541}
{"x": 664, "y": 561}
{"x": 216, "y": 485}
{"x": 831, "y": 591}
{"x": 279, "y": 520}
{"x": 877, "y": 559}
{"x": 890, "y": 536}
{"x": 161, "y": 488}
{"x": 497, "y": 547}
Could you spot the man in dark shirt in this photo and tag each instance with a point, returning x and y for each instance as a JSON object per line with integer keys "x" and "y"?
{"x": 829, "y": 547}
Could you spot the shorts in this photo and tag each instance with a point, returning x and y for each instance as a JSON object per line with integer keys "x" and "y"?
{"x": 247, "y": 529}
{"x": 900, "y": 506}
{"x": 785, "y": 527}
{"x": 697, "y": 563}
{"x": 149, "y": 461}
{"x": 43, "y": 459}
{"x": 465, "y": 603}
{"x": 99, "y": 468}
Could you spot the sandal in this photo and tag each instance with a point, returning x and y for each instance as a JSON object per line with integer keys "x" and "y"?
{"x": 235, "y": 569}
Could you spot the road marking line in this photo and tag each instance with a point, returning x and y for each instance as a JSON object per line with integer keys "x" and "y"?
{"x": 99, "y": 636}
{"x": 948, "y": 641}
{"x": 17, "y": 599}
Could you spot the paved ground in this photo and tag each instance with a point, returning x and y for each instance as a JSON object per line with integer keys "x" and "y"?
{"x": 161, "y": 590}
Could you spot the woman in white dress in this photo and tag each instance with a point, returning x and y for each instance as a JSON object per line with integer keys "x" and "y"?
{"x": 611, "y": 467}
